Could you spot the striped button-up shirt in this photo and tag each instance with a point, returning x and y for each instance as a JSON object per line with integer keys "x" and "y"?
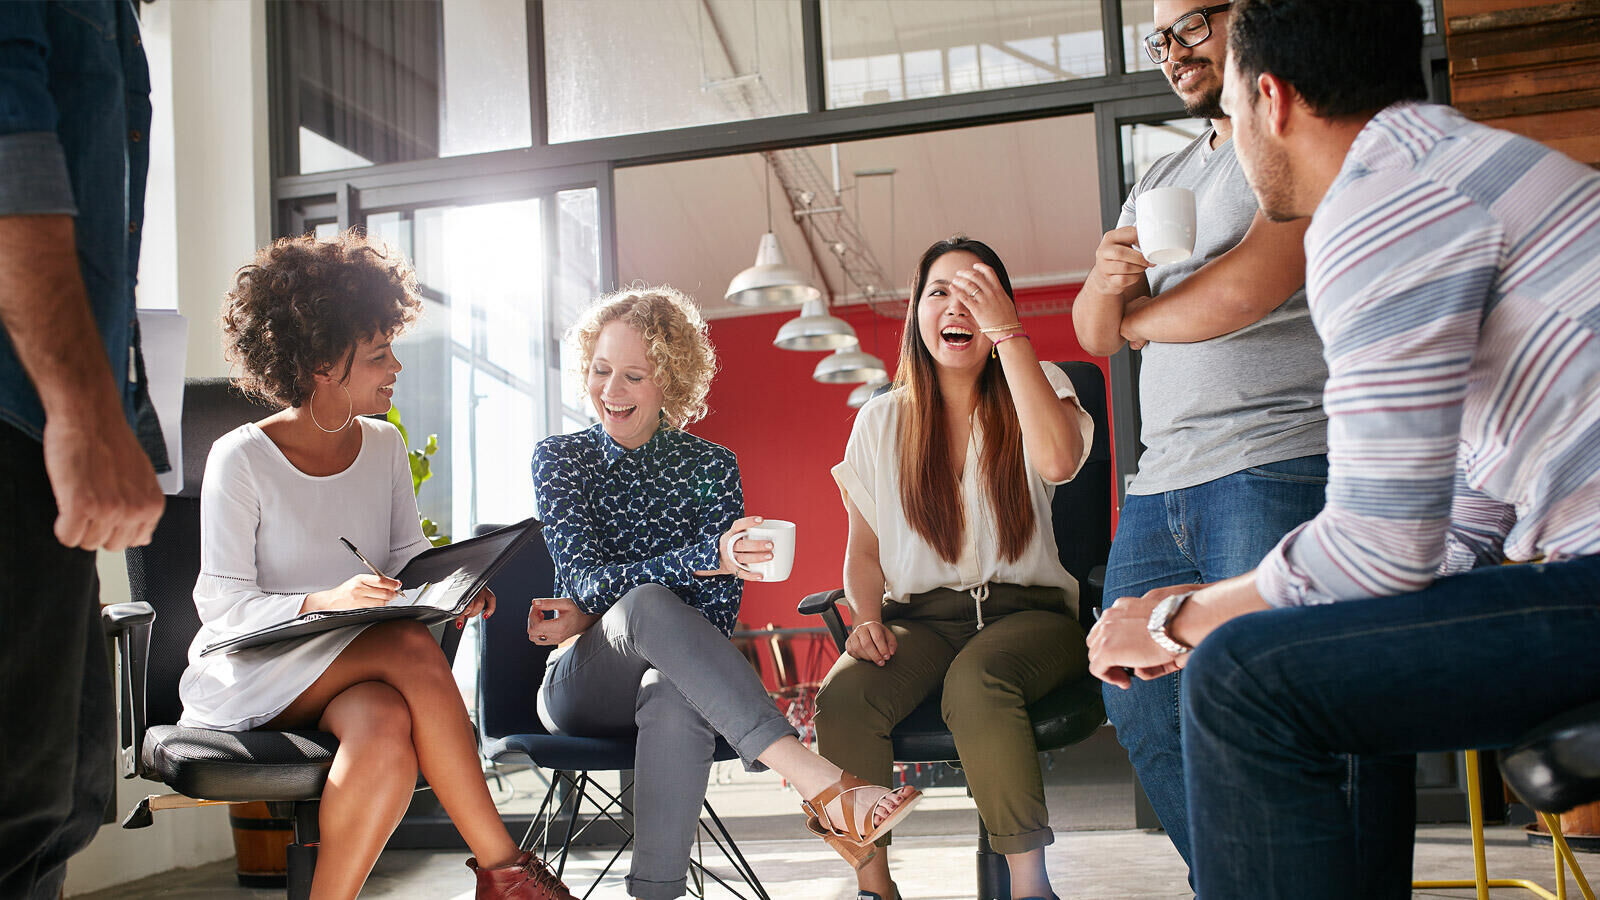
{"x": 1453, "y": 272}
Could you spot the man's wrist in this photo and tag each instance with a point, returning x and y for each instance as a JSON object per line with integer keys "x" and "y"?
{"x": 1160, "y": 623}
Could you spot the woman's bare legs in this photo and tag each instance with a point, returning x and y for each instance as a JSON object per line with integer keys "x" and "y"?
{"x": 403, "y": 657}
{"x": 1028, "y": 876}
{"x": 369, "y": 786}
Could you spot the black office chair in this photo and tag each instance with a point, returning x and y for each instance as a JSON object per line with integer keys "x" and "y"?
{"x": 511, "y": 668}
{"x": 1081, "y": 510}
{"x": 152, "y": 636}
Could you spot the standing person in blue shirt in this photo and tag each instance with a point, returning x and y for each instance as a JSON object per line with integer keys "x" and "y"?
{"x": 641, "y": 520}
{"x": 74, "y": 476}
{"x": 1451, "y": 271}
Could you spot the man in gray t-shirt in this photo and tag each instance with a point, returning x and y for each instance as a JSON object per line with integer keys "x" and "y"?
{"x": 1230, "y": 389}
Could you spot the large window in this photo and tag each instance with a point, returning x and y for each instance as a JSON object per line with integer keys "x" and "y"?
{"x": 478, "y": 364}
{"x": 629, "y": 66}
{"x": 880, "y": 51}
{"x": 380, "y": 81}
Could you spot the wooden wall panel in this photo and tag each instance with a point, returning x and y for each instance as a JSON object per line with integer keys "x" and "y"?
{"x": 1529, "y": 67}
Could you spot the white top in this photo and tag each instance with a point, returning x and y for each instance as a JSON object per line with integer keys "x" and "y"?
{"x": 870, "y": 475}
{"x": 269, "y": 535}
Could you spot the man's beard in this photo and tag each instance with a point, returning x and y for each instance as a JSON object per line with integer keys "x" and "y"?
{"x": 1206, "y": 106}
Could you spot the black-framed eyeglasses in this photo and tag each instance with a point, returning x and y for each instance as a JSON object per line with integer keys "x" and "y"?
{"x": 1190, "y": 31}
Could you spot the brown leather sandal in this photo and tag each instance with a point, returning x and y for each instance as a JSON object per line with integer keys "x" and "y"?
{"x": 854, "y": 837}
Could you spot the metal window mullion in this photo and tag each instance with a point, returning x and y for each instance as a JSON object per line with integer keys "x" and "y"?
{"x": 1111, "y": 37}
{"x": 347, "y": 202}
{"x": 813, "y": 50}
{"x": 538, "y": 87}
{"x": 550, "y": 216}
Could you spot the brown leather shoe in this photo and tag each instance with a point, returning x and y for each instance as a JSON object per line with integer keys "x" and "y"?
{"x": 525, "y": 879}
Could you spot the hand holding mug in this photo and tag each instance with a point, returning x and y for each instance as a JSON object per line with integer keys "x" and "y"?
{"x": 1119, "y": 267}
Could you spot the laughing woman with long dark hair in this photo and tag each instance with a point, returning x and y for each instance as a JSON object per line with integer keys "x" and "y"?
{"x": 951, "y": 568}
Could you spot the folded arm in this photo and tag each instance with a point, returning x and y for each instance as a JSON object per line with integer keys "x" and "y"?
{"x": 1236, "y": 289}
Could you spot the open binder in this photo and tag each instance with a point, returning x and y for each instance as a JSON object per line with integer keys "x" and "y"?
{"x": 437, "y": 585}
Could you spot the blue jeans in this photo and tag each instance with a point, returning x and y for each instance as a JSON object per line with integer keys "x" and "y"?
{"x": 1204, "y": 533}
{"x": 1273, "y": 698}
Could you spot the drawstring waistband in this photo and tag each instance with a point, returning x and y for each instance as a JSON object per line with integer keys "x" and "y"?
{"x": 979, "y": 594}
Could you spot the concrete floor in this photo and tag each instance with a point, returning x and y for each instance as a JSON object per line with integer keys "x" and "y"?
{"x": 1097, "y": 854}
{"x": 1105, "y": 865}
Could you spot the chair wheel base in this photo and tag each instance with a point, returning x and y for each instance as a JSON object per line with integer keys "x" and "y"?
{"x": 1580, "y": 843}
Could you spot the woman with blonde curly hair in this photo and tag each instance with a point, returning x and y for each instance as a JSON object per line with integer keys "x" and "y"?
{"x": 642, "y": 520}
{"x": 308, "y": 325}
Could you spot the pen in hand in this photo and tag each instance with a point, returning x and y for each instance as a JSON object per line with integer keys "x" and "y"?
{"x": 364, "y": 561}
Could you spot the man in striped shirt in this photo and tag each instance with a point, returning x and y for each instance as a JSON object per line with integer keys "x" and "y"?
{"x": 1452, "y": 274}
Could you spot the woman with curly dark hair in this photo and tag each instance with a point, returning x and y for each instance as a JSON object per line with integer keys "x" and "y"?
{"x": 309, "y": 325}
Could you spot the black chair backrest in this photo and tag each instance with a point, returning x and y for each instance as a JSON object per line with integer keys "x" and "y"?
{"x": 1081, "y": 509}
{"x": 510, "y": 667}
{"x": 163, "y": 573}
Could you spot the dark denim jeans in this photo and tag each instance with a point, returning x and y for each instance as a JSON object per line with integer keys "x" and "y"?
{"x": 1272, "y": 700}
{"x": 56, "y": 714}
{"x": 1204, "y": 533}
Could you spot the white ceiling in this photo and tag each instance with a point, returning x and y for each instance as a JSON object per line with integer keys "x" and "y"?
{"x": 1029, "y": 189}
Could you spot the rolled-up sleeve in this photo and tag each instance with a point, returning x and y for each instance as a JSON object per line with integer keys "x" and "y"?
{"x": 857, "y": 473}
{"x": 33, "y": 168}
{"x": 1061, "y": 383}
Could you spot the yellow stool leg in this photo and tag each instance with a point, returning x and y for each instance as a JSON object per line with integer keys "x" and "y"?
{"x": 1480, "y": 866}
{"x": 1559, "y": 840}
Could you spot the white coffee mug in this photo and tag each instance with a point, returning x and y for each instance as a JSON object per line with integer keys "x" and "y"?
{"x": 1165, "y": 219}
{"x": 781, "y": 534}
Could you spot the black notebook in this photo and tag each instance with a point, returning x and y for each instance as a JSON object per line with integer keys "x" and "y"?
{"x": 438, "y": 584}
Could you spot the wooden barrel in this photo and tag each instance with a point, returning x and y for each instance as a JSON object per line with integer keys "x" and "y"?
{"x": 260, "y": 845}
{"x": 1580, "y": 825}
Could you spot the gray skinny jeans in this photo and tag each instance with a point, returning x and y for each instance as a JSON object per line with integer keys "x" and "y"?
{"x": 654, "y": 666}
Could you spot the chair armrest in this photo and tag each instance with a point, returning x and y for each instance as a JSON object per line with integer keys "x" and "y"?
{"x": 1090, "y": 595}
{"x": 826, "y": 605}
{"x": 128, "y": 624}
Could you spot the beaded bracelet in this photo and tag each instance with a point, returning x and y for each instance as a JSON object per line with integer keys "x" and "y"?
{"x": 995, "y": 350}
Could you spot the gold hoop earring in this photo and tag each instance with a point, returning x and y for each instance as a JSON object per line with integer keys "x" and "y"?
{"x": 349, "y": 415}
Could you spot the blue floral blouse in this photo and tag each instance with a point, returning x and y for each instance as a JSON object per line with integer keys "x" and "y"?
{"x": 616, "y": 518}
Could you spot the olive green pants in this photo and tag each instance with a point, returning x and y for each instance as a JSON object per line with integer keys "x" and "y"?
{"x": 1029, "y": 644}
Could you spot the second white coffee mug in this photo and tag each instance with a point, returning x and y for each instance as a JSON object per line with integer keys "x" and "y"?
{"x": 1165, "y": 219}
{"x": 781, "y": 534}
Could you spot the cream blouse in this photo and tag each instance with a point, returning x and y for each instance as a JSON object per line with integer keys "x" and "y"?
{"x": 870, "y": 475}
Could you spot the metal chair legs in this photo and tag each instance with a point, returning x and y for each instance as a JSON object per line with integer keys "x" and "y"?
{"x": 1481, "y": 880}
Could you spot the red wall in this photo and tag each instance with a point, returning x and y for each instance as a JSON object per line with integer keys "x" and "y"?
{"x": 789, "y": 430}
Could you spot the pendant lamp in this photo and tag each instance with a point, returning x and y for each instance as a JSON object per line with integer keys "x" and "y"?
{"x": 771, "y": 281}
{"x": 847, "y": 365}
{"x": 814, "y": 329}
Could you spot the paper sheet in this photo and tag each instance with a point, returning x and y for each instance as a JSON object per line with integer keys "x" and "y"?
{"x": 164, "y": 341}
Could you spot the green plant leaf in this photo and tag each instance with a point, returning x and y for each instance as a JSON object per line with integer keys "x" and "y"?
{"x": 393, "y": 418}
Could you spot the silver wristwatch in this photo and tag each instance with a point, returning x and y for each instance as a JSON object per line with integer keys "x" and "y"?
{"x": 1160, "y": 617}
